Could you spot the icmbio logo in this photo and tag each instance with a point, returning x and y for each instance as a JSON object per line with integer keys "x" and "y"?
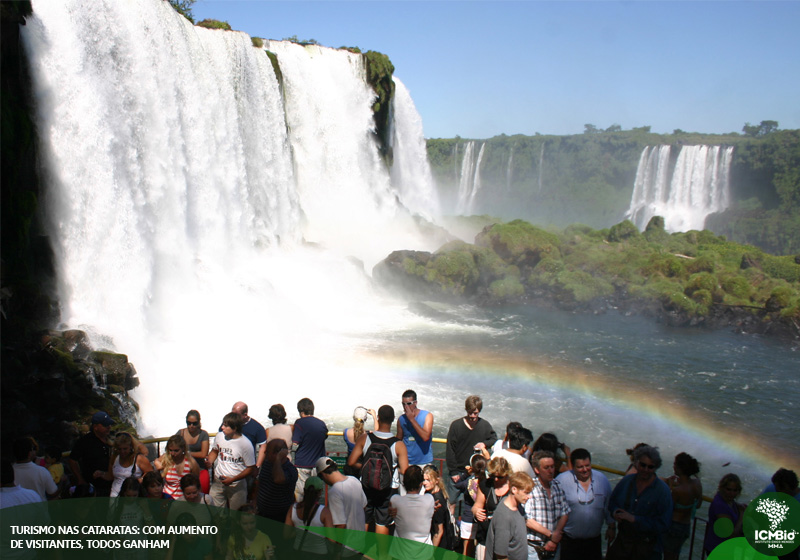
{"x": 772, "y": 524}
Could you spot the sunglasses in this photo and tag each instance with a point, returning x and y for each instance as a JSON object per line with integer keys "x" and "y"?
{"x": 645, "y": 466}
{"x": 192, "y": 423}
{"x": 408, "y": 403}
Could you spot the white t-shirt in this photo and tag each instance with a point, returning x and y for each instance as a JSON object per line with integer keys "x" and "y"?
{"x": 347, "y": 501}
{"x": 412, "y": 522}
{"x": 518, "y": 462}
{"x": 235, "y": 455}
{"x": 33, "y": 477}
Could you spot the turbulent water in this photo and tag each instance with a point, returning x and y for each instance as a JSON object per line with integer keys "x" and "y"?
{"x": 221, "y": 231}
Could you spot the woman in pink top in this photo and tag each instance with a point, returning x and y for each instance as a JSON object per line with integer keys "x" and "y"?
{"x": 175, "y": 464}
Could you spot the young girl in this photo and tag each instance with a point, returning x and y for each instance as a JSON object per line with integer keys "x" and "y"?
{"x": 247, "y": 542}
{"x": 433, "y": 485}
{"x": 309, "y": 513}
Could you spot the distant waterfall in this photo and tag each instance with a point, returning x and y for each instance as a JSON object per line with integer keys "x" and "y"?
{"x": 180, "y": 188}
{"x": 411, "y": 172}
{"x": 685, "y": 193}
{"x": 541, "y": 166}
{"x": 509, "y": 168}
{"x": 470, "y": 179}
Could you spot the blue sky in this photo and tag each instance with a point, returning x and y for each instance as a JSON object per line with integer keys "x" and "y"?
{"x": 482, "y": 68}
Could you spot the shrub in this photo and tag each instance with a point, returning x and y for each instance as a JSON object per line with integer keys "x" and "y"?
{"x": 214, "y": 24}
{"x": 258, "y": 42}
{"x": 622, "y": 231}
{"x": 508, "y": 287}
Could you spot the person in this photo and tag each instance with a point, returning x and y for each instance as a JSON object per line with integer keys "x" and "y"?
{"x": 587, "y": 492}
{"x": 518, "y": 441}
{"x": 308, "y": 437}
{"x": 175, "y": 464}
{"x": 641, "y": 505}
{"x": 381, "y": 458}
{"x": 415, "y": 429}
{"x": 247, "y": 542}
{"x": 158, "y": 500}
{"x": 189, "y": 501}
{"x": 463, "y": 436}
{"x": 90, "y": 455}
{"x": 128, "y": 511}
{"x": 469, "y": 527}
{"x": 547, "y": 512}
{"x": 187, "y": 545}
{"x": 125, "y": 462}
{"x": 507, "y": 535}
{"x": 198, "y": 443}
{"x": 549, "y": 442}
{"x": 276, "y": 482}
{"x": 53, "y": 464}
{"x": 351, "y": 435}
{"x": 490, "y": 492}
{"x": 414, "y": 513}
{"x": 724, "y": 506}
{"x": 503, "y": 443}
{"x": 687, "y": 496}
{"x": 30, "y": 475}
{"x": 233, "y": 457}
{"x": 629, "y": 452}
{"x": 309, "y": 513}
{"x": 279, "y": 429}
{"x": 433, "y": 485}
{"x": 346, "y": 498}
{"x": 12, "y": 495}
{"x": 251, "y": 428}
{"x": 784, "y": 481}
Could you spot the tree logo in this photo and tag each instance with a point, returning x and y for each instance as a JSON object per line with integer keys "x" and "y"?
{"x": 772, "y": 524}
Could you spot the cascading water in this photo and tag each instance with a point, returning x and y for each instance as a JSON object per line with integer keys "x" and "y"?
{"x": 684, "y": 194}
{"x": 470, "y": 179}
{"x": 411, "y": 172}
{"x": 178, "y": 211}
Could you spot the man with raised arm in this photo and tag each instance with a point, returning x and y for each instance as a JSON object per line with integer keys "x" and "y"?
{"x": 382, "y": 459}
{"x": 415, "y": 429}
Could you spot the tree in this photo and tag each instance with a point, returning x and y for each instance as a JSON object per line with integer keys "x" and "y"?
{"x": 761, "y": 130}
{"x": 590, "y": 129}
{"x": 184, "y": 7}
{"x": 614, "y": 128}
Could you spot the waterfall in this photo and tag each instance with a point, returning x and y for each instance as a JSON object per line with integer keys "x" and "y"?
{"x": 470, "y": 179}
{"x": 509, "y": 168}
{"x": 180, "y": 190}
{"x": 541, "y": 166}
{"x": 411, "y": 172}
{"x": 683, "y": 193}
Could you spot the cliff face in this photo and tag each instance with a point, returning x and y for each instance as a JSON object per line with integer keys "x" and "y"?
{"x": 51, "y": 380}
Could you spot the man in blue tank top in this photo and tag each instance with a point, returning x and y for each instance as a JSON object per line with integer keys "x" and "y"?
{"x": 415, "y": 429}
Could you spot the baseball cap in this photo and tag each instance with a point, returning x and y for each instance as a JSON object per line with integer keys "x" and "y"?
{"x": 314, "y": 482}
{"x": 102, "y": 418}
{"x": 323, "y": 463}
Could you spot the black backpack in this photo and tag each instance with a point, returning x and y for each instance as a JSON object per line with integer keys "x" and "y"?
{"x": 376, "y": 467}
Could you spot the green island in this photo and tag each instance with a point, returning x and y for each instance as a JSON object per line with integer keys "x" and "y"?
{"x": 687, "y": 279}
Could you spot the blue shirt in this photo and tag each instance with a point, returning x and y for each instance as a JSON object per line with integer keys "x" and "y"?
{"x": 255, "y": 432}
{"x": 419, "y": 452}
{"x": 652, "y": 508}
{"x": 588, "y": 509}
{"x": 309, "y": 434}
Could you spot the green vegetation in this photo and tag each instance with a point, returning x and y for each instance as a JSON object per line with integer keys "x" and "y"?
{"x": 258, "y": 42}
{"x": 695, "y": 277}
{"x": 184, "y": 7}
{"x": 214, "y": 24}
{"x": 379, "y": 76}
{"x": 304, "y": 42}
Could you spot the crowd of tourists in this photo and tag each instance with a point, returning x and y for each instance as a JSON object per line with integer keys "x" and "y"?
{"x": 492, "y": 497}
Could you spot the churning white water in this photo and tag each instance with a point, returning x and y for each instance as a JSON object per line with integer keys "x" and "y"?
{"x": 685, "y": 193}
{"x": 181, "y": 191}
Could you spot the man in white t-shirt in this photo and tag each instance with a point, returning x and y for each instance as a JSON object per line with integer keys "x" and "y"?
{"x": 518, "y": 441}
{"x": 346, "y": 501}
{"x": 29, "y": 475}
{"x": 234, "y": 459}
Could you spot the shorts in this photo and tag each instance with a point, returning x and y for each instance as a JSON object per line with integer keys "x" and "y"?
{"x": 675, "y": 536}
{"x": 377, "y": 508}
{"x": 468, "y": 530}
